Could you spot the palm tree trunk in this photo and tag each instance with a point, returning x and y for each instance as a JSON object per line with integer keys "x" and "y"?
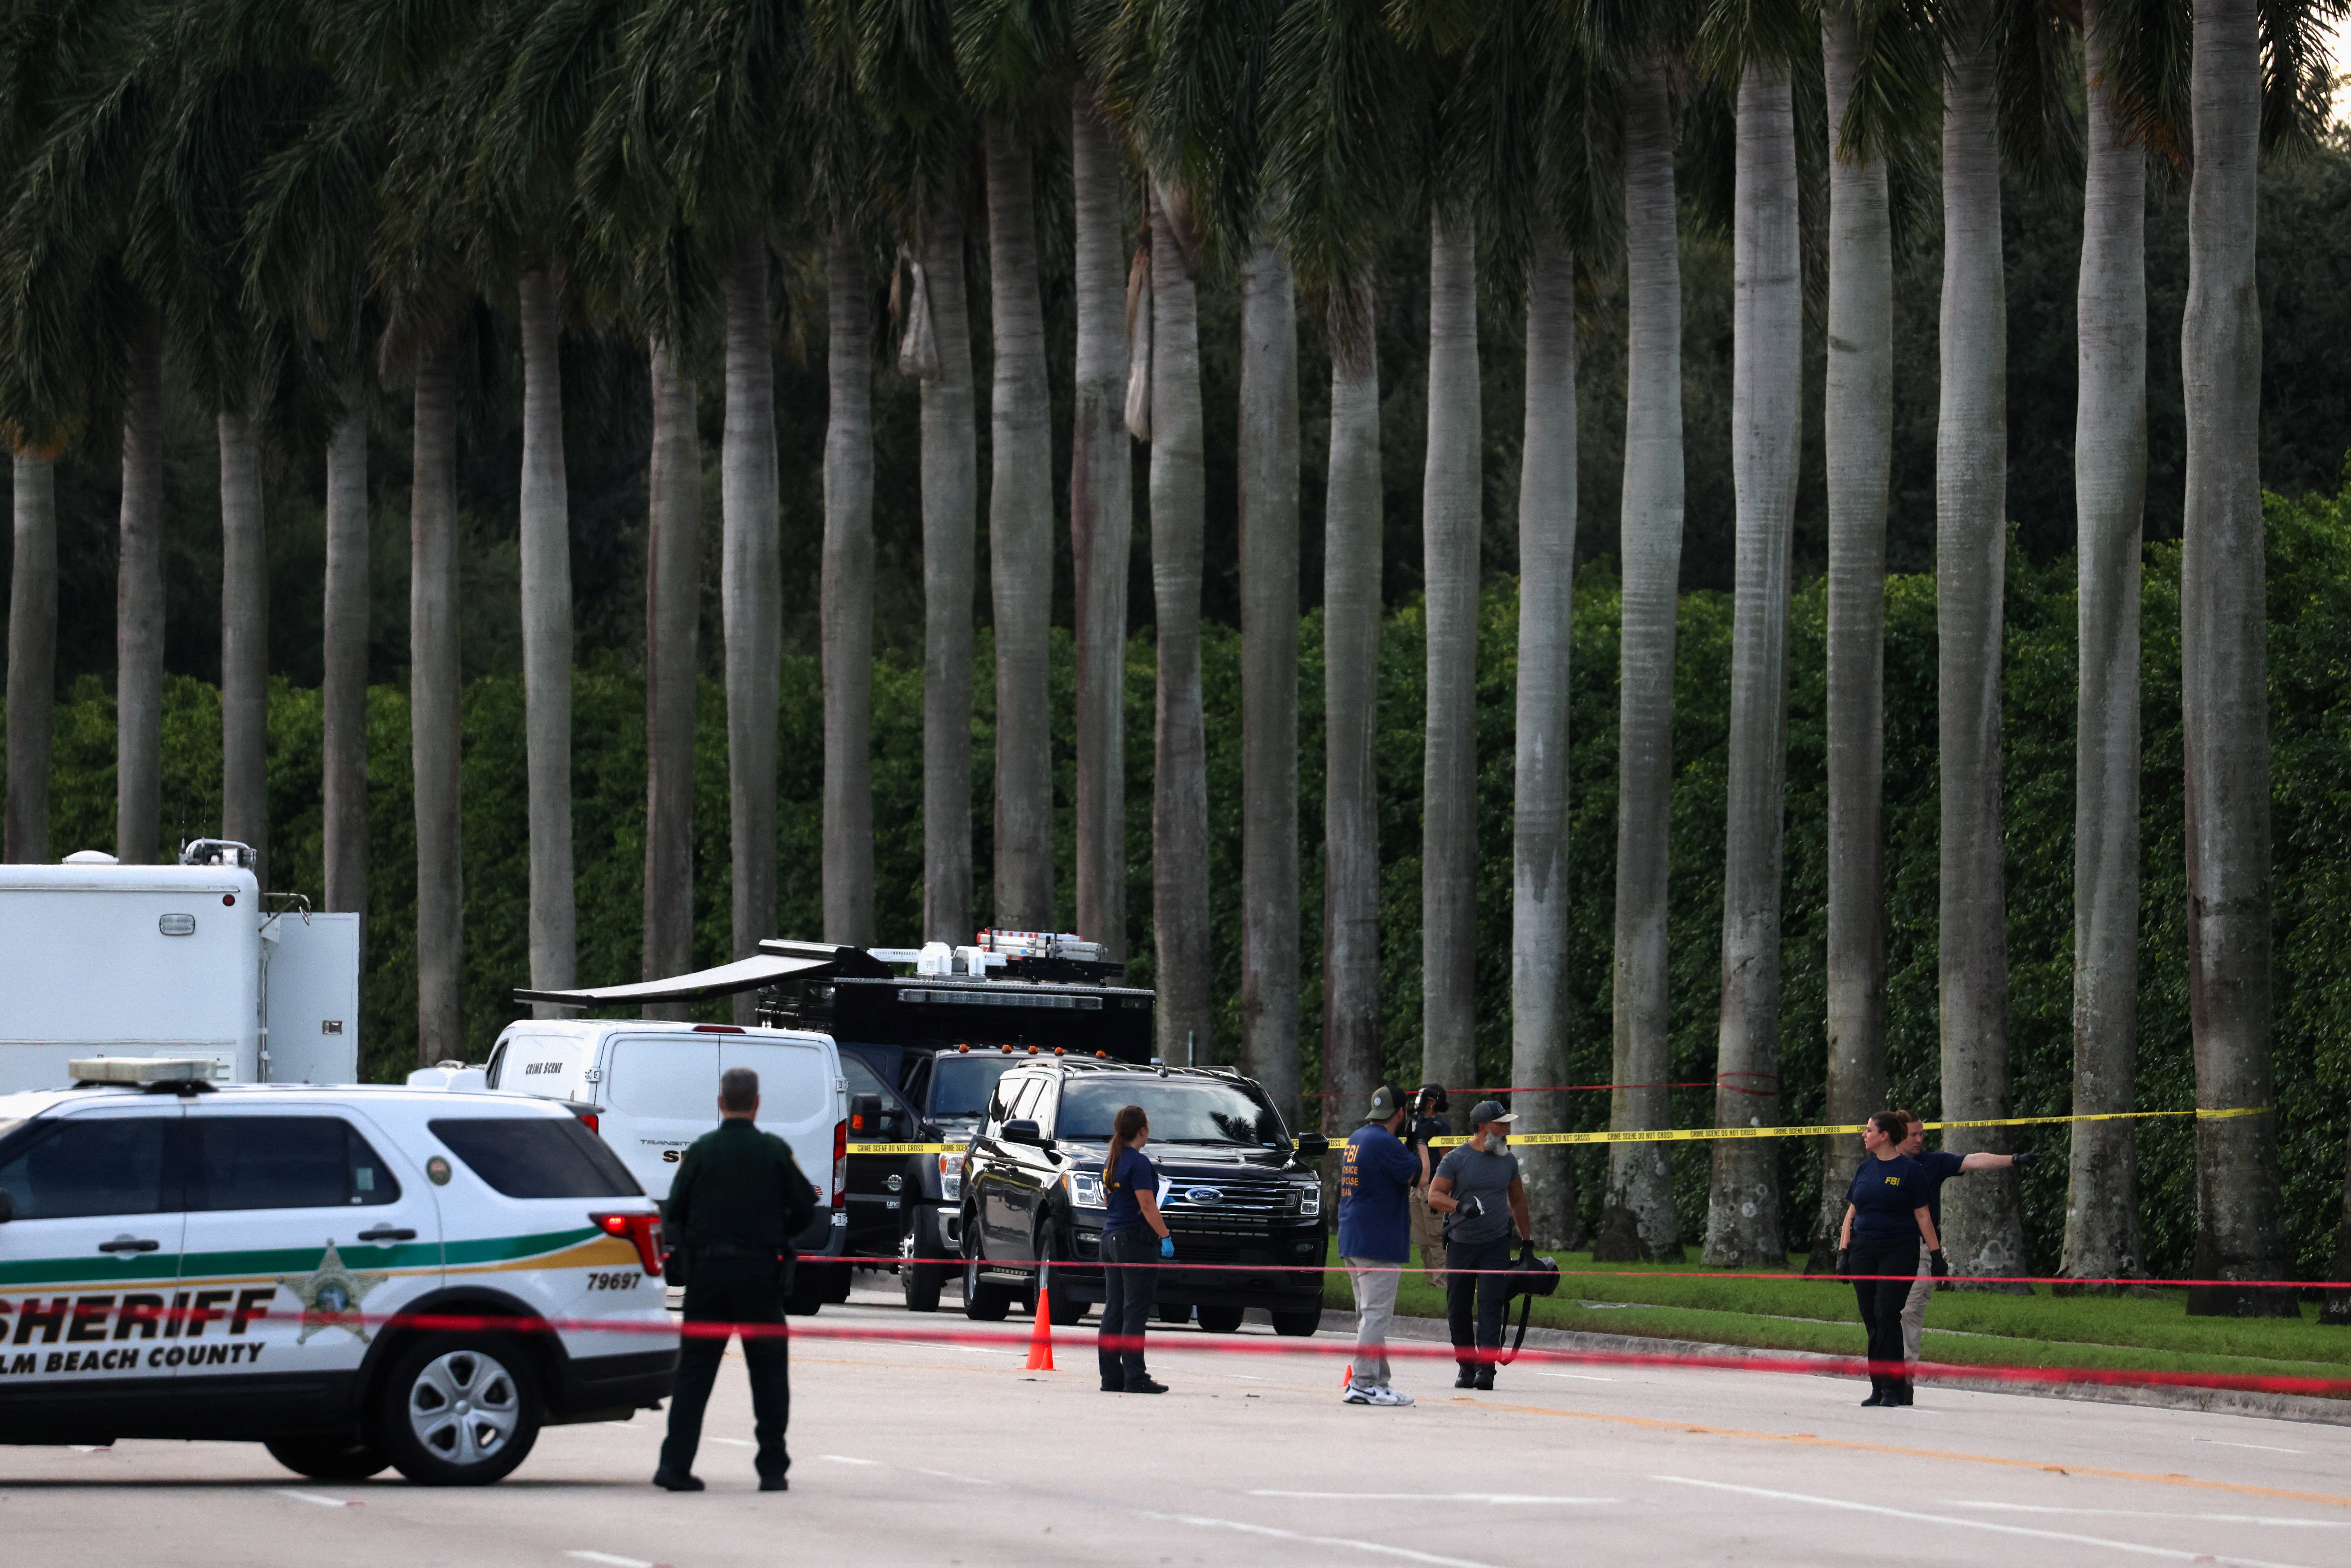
{"x": 546, "y": 527}
{"x": 2224, "y": 681}
{"x": 1981, "y": 1228}
{"x": 138, "y": 600}
{"x": 2334, "y": 1306}
{"x": 1269, "y": 562}
{"x": 1351, "y": 691}
{"x": 244, "y": 644}
{"x": 32, "y": 658}
{"x": 1020, "y": 543}
{"x": 1858, "y": 434}
{"x": 1179, "y": 803}
{"x": 2102, "y": 1235}
{"x": 1101, "y": 522}
{"x": 672, "y": 603}
{"x": 1450, "y": 523}
{"x": 1742, "y": 1225}
{"x": 1639, "y": 1178}
{"x": 1538, "y": 889}
{"x": 751, "y": 591}
{"x": 950, "y": 445}
{"x": 846, "y": 611}
{"x": 344, "y": 639}
{"x": 433, "y": 687}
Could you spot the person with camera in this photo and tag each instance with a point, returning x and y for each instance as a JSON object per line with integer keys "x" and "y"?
{"x": 1134, "y": 1239}
{"x": 1478, "y": 1189}
{"x": 1375, "y": 1176}
{"x": 1427, "y": 1121}
{"x": 738, "y": 1201}
{"x": 1886, "y": 1218}
{"x": 1939, "y": 1165}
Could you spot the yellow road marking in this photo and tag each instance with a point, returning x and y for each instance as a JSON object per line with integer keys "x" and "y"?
{"x": 1856, "y": 1445}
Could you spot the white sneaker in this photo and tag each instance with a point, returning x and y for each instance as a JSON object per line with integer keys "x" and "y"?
{"x": 1356, "y": 1394}
{"x": 1387, "y": 1397}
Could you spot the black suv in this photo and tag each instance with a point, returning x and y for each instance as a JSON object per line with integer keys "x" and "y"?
{"x": 1235, "y": 1194}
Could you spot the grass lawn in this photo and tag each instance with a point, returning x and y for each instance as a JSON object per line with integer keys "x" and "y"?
{"x": 1679, "y": 1301}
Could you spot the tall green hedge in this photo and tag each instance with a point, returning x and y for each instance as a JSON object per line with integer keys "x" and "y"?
{"x": 2310, "y": 645}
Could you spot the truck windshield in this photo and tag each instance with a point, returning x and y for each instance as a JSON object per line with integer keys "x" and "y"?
{"x": 1180, "y": 1111}
{"x": 960, "y": 1085}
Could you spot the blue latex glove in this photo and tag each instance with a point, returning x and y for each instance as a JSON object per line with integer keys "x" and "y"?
{"x": 1168, "y": 1246}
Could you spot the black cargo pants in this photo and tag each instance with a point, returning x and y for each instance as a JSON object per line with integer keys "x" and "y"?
{"x": 732, "y": 1291}
{"x": 1127, "y": 1297}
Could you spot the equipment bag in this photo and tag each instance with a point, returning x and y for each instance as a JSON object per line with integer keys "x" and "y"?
{"x": 1530, "y": 1276}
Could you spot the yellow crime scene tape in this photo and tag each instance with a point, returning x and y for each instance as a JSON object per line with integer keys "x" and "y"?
{"x": 907, "y": 1148}
{"x": 1708, "y": 1135}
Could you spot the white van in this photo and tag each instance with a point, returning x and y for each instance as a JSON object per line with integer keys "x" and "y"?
{"x": 652, "y": 1089}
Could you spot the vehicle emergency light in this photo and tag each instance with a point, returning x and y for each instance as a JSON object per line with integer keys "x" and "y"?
{"x": 841, "y": 1165}
{"x": 643, "y": 1230}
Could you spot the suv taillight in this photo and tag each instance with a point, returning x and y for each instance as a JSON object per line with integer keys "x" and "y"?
{"x": 642, "y": 1229}
{"x": 841, "y": 1165}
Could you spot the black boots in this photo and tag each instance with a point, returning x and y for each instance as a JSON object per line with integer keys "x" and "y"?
{"x": 1889, "y": 1392}
{"x": 1467, "y": 1376}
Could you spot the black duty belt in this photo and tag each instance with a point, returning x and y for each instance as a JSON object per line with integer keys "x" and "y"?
{"x": 732, "y": 1249}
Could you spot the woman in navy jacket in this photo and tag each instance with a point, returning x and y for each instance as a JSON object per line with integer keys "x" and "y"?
{"x": 1886, "y": 1219}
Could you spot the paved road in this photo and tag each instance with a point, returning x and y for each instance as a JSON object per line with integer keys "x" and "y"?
{"x": 1249, "y": 1460}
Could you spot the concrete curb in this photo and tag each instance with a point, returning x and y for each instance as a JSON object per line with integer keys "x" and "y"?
{"x": 2215, "y": 1401}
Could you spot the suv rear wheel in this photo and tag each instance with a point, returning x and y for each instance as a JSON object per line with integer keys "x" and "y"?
{"x": 919, "y": 1284}
{"x": 329, "y": 1457}
{"x": 458, "y": 1409}
{"x": 1299, "y": 1324}
{"x": 1218, "y": 1320}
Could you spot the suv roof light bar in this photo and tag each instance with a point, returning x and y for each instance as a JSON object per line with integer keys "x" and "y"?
{"x": 186, "y": 1074}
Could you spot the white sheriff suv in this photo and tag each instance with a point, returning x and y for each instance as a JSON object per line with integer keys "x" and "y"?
{"x": 355, "y": 1276}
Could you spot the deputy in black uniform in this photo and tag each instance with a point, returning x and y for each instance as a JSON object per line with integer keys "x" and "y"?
{"x": 738, "y": 1202}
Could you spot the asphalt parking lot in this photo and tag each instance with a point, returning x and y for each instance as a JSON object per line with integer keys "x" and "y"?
{"x": 906, "y": 1451}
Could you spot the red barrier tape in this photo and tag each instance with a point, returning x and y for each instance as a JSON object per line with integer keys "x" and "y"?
{"x": 1552, "y": 1088}
{"x": 1809, "y": 1365}
{"x": 1953, "y": 1282}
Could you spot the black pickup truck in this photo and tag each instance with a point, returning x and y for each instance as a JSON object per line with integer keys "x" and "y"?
{"x": 1235, "y": 1189}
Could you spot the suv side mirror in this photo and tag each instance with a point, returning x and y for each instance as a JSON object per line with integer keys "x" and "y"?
{"x": 1023, "y": 1132}
{"x": 1313, "y": 1146}
{"x": 864, "y": 1115}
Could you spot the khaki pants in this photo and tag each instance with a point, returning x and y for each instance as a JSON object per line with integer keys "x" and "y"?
{"x": 1374, "y": 1280}
{"x": 1429, "y": 1230}
{"x": 1914, "y": 1310}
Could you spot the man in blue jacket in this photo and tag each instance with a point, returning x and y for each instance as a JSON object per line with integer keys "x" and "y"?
{"x": 1376, "y": 1175}
{"x": 1940, "y": 1165}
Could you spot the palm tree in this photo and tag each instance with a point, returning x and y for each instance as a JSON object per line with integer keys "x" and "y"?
{"x": 1450, "y": 519}
{"x": 907, "y": 75}
{"x": 344, "y": 659}
{"x": 1102, "y": 493}
{"x": 32, "y": 656}
{"x": 1638, "y": 1176}
{"x": 672, "y": 611}
{"x": 1981, "y": 1228}
{"x": 434, "y": 693}
{"x": 1539, "y": 884}
{"x": 1008, "y": 66}
{"x": 1767, "y": 391}
{"x": 751, "y": 591}
{"x": 245, "y": 641}
{"x": 2102, "y": 1234}
{"x": 2223, "y": 678}
{"x": 1179, "y": 802}
{"x": 847, "y": 608}
{"x": 139, "y": 597}
{"x": 950, "y": 444}
{"x": 545, "y": 508}
{"x": 1341, "y": 199}
{"x": 1877, "y": 71}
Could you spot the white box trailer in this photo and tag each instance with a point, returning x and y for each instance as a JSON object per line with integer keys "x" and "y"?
{"x": 102, "y": 959}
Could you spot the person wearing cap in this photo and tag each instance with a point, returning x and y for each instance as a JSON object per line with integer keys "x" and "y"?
{"x": 1939, "y": 1165}
{"x": 1374, "y": 1241}
{"x": 1478, "y": 1189}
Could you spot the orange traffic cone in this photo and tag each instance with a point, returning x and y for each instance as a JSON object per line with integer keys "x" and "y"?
{"x": 1041, "y": 1336}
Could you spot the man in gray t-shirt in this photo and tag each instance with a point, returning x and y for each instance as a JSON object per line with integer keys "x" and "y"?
{"x": 1476, "y": 1188}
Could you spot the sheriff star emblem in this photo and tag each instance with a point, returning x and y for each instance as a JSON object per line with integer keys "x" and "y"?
{"x": 330, "y": 1298}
